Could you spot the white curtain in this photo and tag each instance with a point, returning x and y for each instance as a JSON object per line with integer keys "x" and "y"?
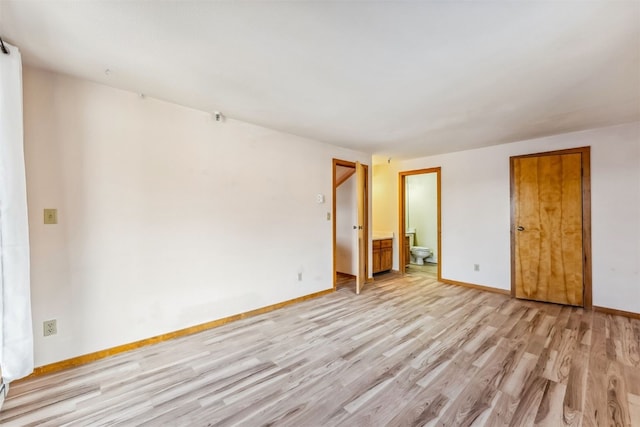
{"x": 16, "y": 335}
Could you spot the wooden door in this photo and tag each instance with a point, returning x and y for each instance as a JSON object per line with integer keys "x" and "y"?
{"x": 362, "y": 243}
{"x": 547, "y": 208}
{"x": 342, "y": 172}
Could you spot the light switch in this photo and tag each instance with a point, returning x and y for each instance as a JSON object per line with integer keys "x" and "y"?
{"x": 50, "y": 216}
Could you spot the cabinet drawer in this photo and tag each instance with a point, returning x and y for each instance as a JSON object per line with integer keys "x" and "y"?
{"x": 387, "y": 243}
{"x": 376, "y": 244}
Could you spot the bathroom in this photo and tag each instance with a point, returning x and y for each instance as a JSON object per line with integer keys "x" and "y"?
{"x": 421, "y": 220}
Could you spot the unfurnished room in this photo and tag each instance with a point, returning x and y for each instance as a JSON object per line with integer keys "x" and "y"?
{"x": 319, "y": 213}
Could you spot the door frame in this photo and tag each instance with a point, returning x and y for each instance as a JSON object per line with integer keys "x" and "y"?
{"x": 401, "y": 212}
{"x": 335, "y": 184}
{"x": 586, "y": 218}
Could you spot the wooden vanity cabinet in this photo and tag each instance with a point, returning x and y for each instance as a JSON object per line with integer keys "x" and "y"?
{"x": 382, "y": 255}
{"x": 407, "y": 251}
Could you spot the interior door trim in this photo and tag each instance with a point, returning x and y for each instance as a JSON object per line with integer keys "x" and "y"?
{"x": 401, "y": 215}
{"x": 586, "y": 218}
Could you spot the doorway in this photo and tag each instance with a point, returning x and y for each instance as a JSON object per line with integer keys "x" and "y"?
{"x": 551, "y": 227}
{"x": 420, "y": 220}
{"x": 350, "y": 224}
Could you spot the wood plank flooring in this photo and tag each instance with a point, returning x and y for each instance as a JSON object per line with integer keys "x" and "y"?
{"x": 408, "y": 351}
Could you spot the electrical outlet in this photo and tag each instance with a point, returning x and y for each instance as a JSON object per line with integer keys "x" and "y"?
{"x": 299, "y": 277}
{"x": 476, "y": 267}
{"x": 49, "y": 327}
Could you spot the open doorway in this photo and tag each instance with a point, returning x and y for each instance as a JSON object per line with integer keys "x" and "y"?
{"x": 420, "y": 222}
{"x": 350, "y": 224}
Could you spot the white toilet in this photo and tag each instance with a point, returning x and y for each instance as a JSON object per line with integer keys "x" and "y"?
{"x": 420, "y": 254}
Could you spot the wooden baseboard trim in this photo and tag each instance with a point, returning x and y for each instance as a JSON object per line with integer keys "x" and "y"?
{"x": 616, "y": 312}
{"x": 91, "y": 357}
{"x": 478, "y": 287}
{"x": 351, "y": 276}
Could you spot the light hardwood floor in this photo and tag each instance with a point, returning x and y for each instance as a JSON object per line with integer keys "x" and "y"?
{"x": 407, "y": 351}
{"x": 428, "y": 269}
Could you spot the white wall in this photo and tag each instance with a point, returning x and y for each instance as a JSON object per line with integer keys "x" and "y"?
{"x": 167, "y": 219}
{"x": 346, "y": 236}
{"x": 476, "y": 210}
{"x": 422, "y": 210}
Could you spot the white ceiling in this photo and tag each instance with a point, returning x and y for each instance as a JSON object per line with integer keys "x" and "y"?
{"x": 400, "y": 79}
